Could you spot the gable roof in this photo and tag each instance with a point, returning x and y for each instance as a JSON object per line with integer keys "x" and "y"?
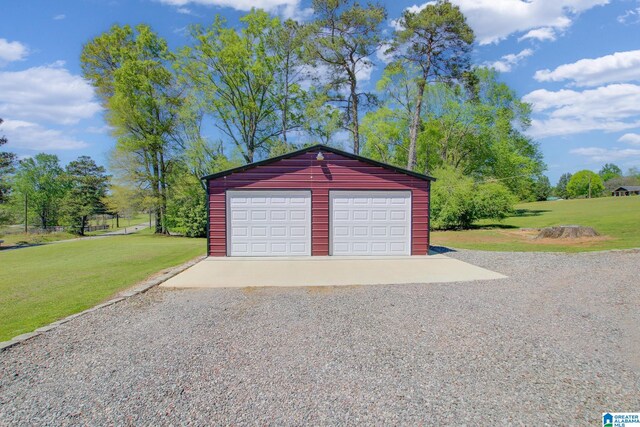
{"x": 319, "y": 147}
{"x": 628, "y": 188}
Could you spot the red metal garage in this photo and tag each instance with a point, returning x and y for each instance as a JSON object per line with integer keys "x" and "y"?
{"x": 318, "y": 201}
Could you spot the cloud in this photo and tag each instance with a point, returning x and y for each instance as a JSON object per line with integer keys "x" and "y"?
{"x": 631, "y": 16}
{"x": 50, "y": 93}
{"x": 507, "y": 62}
{"x": 184, "y": 11}
{"x": 618, "y": 67}
{"x": 495, "y": 20}
{"x": 540, "y": 34}
{"x": 31, "y": 136}
{"x": 286, "y": 8}
{"x": 604, "y": 155}
{"x": 59, "y": 17}
{"x": 12, "y": 51}
{"x": 630, "y": 138}
{"x": 609, "y": 108}
{"x": 381, "y": 53}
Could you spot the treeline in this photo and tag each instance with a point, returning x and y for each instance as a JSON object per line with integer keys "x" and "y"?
{"x": 39, "y": 192}
{"x": 588, "y": 184}
{"x": 269, "y": 86}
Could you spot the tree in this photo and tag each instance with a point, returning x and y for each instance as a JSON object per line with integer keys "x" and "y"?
{"x": 40, "y": 187}
{"x": 290, "y": 98}
{"x": 476, "y": 127}
{"x": 542, "y": 188}
{"x": 434, "y": 44}
{"x": 561, "y": 187}
{"x": 235, "y": 73}
{"x": 585, "y": 184}
{"x": 7, "y": 161}
{"x": 608, "y": 171}
{"x": 87, "y": 185}
{"x": 131, "y": 71}
{"x": 342, "y": 39}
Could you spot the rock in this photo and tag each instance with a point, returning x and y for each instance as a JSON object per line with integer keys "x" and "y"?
{"x": 566, "y": 232}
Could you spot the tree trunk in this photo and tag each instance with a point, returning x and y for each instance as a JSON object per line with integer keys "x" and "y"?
{"x": 83, "y": 222}
{"x": 415, "y": 125}
{"x": 354, "y": 119}
{"x": 156, "y": 194}
{"x": 163, "y": 194}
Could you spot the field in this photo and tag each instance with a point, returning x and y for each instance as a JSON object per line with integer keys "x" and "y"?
{"x": 41, "y": 284}
{"x": 617, "y": 219}
{"x": 13, "y": 235}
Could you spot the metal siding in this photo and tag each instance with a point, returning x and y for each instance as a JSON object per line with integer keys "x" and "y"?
{"x": 336, "y": 172}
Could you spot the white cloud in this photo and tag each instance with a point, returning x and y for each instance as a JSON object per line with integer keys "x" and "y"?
{"x": 630, "y": 138}
{"x": 31, "y": 136}
{"x": 381, "y": 53}
{"x": 59, "y": 17}
{"x": 609, "y": 108}
{"x": 618, "y": 67}
{"x": 631, "y": 16}
{"x": 12, "y": 51}
{"x": 50, "y": 93}
{"x": 603, "y": 155}
{"x": 495, "y": 20}
{"x": 286, "y": 8}
{"x": 184, "y": 11}
{"x": 541, "y": 34}
{"x": 507, "y": 62}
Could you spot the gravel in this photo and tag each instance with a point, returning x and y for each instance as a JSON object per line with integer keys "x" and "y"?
{"x": 558, "y": 342}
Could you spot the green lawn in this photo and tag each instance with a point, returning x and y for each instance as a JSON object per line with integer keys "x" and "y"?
{"x": 616, "y": 218}
{"x": 41, "y": 284}
{"x": 11, "y": 238}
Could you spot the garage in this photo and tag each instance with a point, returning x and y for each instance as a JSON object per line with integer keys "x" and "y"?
{"x": 269, "y": 223}
{"x": 318, "y": 201}
{"x": 370, "y": 222}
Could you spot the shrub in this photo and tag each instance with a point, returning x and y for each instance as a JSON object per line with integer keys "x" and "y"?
{"x": 457, "y": 201}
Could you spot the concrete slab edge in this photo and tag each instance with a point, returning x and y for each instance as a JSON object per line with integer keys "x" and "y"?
{"x": 136, "y": 289}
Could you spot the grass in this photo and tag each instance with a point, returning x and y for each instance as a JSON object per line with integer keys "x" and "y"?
{"x": 12, "y": 238}
{"x": 617, "y": 219}
{"x": 41, "y": 284}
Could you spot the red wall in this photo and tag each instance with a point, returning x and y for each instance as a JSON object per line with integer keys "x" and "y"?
{"x": 336, "y": 172}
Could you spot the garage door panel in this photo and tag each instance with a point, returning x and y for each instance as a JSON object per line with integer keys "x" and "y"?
{"x": 269, "y": 223}
{"x": 370, "y": 222}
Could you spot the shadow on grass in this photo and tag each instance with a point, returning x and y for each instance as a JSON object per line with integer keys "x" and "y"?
{"x": 519, "y": 213}
{"x": 19, "y": 245}
{"x": 492, "y": 226}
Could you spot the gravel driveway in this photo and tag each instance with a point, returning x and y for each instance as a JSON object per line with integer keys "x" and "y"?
{"x": 558, "y": 342}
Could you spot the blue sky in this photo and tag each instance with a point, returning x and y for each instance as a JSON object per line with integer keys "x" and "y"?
{"x": 576, "y": 61}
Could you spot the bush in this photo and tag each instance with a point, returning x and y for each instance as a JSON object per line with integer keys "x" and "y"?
{"x": 457, "y": 202}
{"x": 186, "y": 208}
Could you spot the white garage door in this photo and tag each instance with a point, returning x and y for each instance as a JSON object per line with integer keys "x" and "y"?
{"x": 370, "y": 222}
{"x": 269, "y": 223}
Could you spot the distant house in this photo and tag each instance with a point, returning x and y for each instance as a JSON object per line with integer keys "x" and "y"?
{"x": 628, "y": 190}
